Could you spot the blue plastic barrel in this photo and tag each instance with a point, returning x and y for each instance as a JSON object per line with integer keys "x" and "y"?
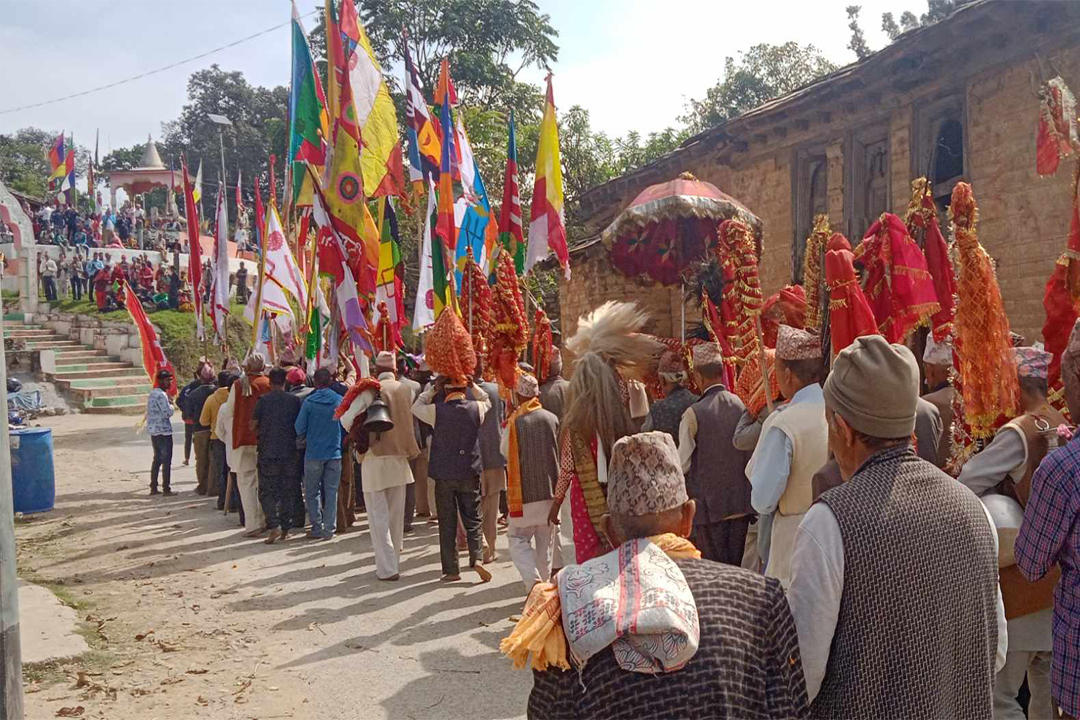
{"x": 33, "y": 480}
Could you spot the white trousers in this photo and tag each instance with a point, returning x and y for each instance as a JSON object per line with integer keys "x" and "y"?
{"x": 1036, "y": 665}
{"x": 532, "y": 563}
{"x": 247, "y": 481}
{"x": 565, "y": 553}
{"x": 386, "y": 523}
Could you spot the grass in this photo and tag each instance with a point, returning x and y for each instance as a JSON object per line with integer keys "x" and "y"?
{"x": 177, "y": 333}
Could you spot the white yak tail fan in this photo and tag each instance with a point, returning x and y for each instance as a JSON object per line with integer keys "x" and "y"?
{"x": 614, "y": 331}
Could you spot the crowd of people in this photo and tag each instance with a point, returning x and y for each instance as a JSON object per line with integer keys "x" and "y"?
{"x": 95, "y": 275}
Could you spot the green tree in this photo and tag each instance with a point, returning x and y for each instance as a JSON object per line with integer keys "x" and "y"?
{"x": 632, "y": 154}
{"x": 936, "y": 10}
{"x": 761, "y": 73}
{"x": 857, "y": 44}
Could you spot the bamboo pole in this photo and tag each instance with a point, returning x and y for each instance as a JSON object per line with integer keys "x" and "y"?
{"x": 761, "y": 360}
{"x": 262, "y": 273}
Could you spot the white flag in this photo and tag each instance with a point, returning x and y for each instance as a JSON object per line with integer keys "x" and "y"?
{"x": 424, "y": 312}
{"x": 196, "y": 192}
{"x": 281, "y": 266}
{"x": 219, "y": 268}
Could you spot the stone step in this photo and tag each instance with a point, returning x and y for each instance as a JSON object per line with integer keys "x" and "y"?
{"x": 29, "y": 333}
{"x": 52, "y": 344}
{"x": 118, "y": 405}
{"x": 79, "y": 365}
{"x": 112, "y": 388}
{"x": 64, "y": 355}
{"x": 60, "y": 377}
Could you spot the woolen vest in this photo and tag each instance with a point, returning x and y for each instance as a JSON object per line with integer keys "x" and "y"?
{"x": 243, "y": 407}
{"x": 916, "y": 636}
{"x": 717, "y": 478}
{"x": 401, "y": 440}
{"x": 538, "y": 447}
{"x": 667, "y": 414}
{"x": 804, "y": 425}
{"x": 455, "y": 445}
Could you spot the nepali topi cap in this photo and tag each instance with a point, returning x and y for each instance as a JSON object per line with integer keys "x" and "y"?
{"x": 1032, "y": 362}
{"x": 795, "y": 344}
{"x": 708, "y": 354}
{"x": 527, "y": 386}
{"x": 645, "y": 476}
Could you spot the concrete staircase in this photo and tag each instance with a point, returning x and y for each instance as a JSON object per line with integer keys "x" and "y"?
{"x": 97, "y": 382}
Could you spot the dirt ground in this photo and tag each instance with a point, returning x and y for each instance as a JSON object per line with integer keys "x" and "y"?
{"x": 187, "y": 619}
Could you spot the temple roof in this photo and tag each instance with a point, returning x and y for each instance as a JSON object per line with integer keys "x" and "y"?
{"x": 151, "y": 158}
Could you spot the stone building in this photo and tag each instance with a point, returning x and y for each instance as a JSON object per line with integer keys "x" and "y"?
{"x": 953, "y": 101}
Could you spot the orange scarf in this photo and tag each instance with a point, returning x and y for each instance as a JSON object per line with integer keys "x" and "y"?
{"x": 513, "y": 466}
{"x": 540, "y": 632}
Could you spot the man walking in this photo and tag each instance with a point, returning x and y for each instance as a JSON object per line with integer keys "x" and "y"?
{"x": 385, "y": 473}
{"x": 243, "y": 396}
{"x": 159, "y": 410}
{"x": 493, "y": 474}
{"x": 530, "y": 444}
{"x": 877, "y": 640}
{"x": 200, "y": 434}
{"x": 793, "y": 446}
{"x": 553, "y": 389}
{"x": 666, "y": 414}
{"x": 455, "y": 466}
{"x": 321, "y": 432}
{"x": 219, "y": 468}
{"x": 274, "y": 421}
{"x": 715, "y": 475}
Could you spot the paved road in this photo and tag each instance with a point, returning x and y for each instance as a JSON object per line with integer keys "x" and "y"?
{"x": 321, "y": 635}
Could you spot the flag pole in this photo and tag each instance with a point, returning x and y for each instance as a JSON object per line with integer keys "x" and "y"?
{"x": 262, "y": 273}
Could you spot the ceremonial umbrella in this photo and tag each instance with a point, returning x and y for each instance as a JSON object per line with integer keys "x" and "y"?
{"x": 668, "y": 227}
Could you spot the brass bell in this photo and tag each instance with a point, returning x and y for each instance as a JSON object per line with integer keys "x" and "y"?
{"x": 378, "y": 417}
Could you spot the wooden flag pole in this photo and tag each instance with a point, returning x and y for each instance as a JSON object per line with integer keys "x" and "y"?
{"x": 761, "y": 360}
{"x": 262, "y": 273}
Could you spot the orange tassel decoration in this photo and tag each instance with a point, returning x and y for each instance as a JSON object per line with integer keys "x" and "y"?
{"x": 510, "y": 326}
{"x": 448, "y": 348}
{"x": 543, "y": 345}
{"x": 987, "y": 368}
{"x": 812, "y": 277}
{"x": 737, "y": 253}
{"x": 475, "y": 303}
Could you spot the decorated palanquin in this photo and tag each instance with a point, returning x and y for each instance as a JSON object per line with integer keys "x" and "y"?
{"x": 922, "y": 225}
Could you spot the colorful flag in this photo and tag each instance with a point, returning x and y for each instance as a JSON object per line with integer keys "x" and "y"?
{"x": 472, "y": 210}
{"x": 374, "y": 108}
{"x": 424, "y": 150}
{"x": 347, "y": 209}
{"x": 273, "y": 301}
{"x": 444, "y": 228}
{"x": 389, "y": 289}
{"x": 153, "y": 355}
{"x": 307, "y": 107}
{"x": 510, "y": 230}
{"x": 90, "y": 186}
{"x": 546, "y": 230}
{"x": 281, "y": 267}
{"x": 260, "y": 216}
{"x": 197, "y": 190}
{"x": 194, "y": 250}
{"x": 424, "y": 310}
{"x": 219, "y": 267}
{"x": 240, "y": 209}
{"x": 55, "y": 156}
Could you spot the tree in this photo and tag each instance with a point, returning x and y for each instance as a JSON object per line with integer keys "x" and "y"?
{"x": 632, "y": 154}
{"x": 24, "y": 166}
{"x": 762, "y": 73}
{"x": 857, "y": 44}
{"x": 936, "y": 10}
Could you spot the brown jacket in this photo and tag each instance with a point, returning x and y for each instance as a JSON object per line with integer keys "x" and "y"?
{"x": 401, "y": 441}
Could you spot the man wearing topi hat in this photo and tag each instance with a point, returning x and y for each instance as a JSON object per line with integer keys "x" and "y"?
{"x": 894, "y": 575}
{"x": 651, "y": 629}
{"x": 1005, "y": 467}
{"x": 715, "y": 477}
{"x": 793, "y": 446}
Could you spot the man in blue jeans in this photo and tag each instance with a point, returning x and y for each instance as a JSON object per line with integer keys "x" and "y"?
{"x": 322, "y": 459}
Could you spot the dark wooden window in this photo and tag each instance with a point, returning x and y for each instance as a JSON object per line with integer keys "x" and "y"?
{"x": 870, "y": 183}
{"x": 811, "y": 198}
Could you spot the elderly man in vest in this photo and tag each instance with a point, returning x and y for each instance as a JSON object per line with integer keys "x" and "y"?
{"x": 894, "y": 576}
{"x": 493, "y": 473}
{"x": 530, "y": 444}
{"x": 385, "y": 472}
{"x": 253, "y": 384}
{"x": 553, "y": 390}
{"x": 714, "y": 472}
{"x": 666, "y": 414}
{"x": 793, "y": 445}
{"x": 1001, "y": 475}
{"x": 455, "y": 466}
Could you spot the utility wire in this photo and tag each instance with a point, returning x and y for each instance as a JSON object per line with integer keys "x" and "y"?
{"x": 152, "y": 72}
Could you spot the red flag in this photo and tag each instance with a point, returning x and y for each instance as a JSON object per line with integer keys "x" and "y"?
{"x": 260, "y": 216}
{"x": 194, "y": 250}
{"x": 153, "y": 356}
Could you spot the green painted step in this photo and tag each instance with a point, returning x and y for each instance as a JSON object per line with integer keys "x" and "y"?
{"x": 86, "y": 374}
{"x": 52, "y": 344}
{"x": 117, "y": 400}
{"x": 139, "y": 386}
{"x": 121, "y": 405}
{"x": 109, "y": 365}
{"x": 93, "y": 384}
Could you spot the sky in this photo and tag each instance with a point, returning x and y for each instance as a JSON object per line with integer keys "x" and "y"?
{"x": 633, "y": 64}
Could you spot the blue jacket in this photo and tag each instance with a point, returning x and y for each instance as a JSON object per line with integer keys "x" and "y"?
{"x": 317, "y": 423}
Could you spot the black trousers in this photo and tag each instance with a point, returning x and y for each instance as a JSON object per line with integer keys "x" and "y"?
{"x": 410, "y": 505}
{"x": 219, "y": 466}
{"x": 189, "y": 434}
{"x": 76, "y": 288}
{"x": 278, "y": 483}
{"x": 162, "y": 461}
{"x": 50, "y": 288}
{"x": 722, "y": 541}
{"x": 452, "y": 497}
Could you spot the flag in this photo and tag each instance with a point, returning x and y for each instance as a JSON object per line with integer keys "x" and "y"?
{"x": 55, "y": 156}
{"x": 424, "y": 150}
{"x": 260, "y": 216}
{"x": 240, "y": 209}
{"x": 444, "y": 227}
{"x": 194, "y": 250}
{"x": 424, "y": 310}
{"x": 68, "y": 184}
{"x": 219, "y": 266}
{"x": 546, "y": 230}
{"x": 307, "y": 106}
{"x": 280, "y": 265}
{"x": 333, "y": 260}
{"x": 442, "y": 292}
{"x": 373, "y": 106}
{"x": 197, "y": 191}
{"x": 510, "y": 230}
{"x": 90, "y": 186}
{"x": 153, "y": 355}
{"x": 472, "y": 210}
{"x": 314, "y": 337}
{"x": 343, "y": 193}
{"x": 273, "y": 300}
{"x": 389, "y": 288}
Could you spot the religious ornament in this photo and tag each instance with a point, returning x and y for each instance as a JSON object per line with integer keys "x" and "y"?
{"x": 922, "y": 224}
{"x": 812, "y": 279}
{"x": 475, "y": 300}
{"x": 510, "y": 326}
{"x": 1057, "y": 136}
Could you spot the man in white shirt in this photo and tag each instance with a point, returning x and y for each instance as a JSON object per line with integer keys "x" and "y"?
{"x": 894, "y": 583}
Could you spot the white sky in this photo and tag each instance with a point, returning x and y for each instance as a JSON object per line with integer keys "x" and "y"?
{"x": 632, "y": 63}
